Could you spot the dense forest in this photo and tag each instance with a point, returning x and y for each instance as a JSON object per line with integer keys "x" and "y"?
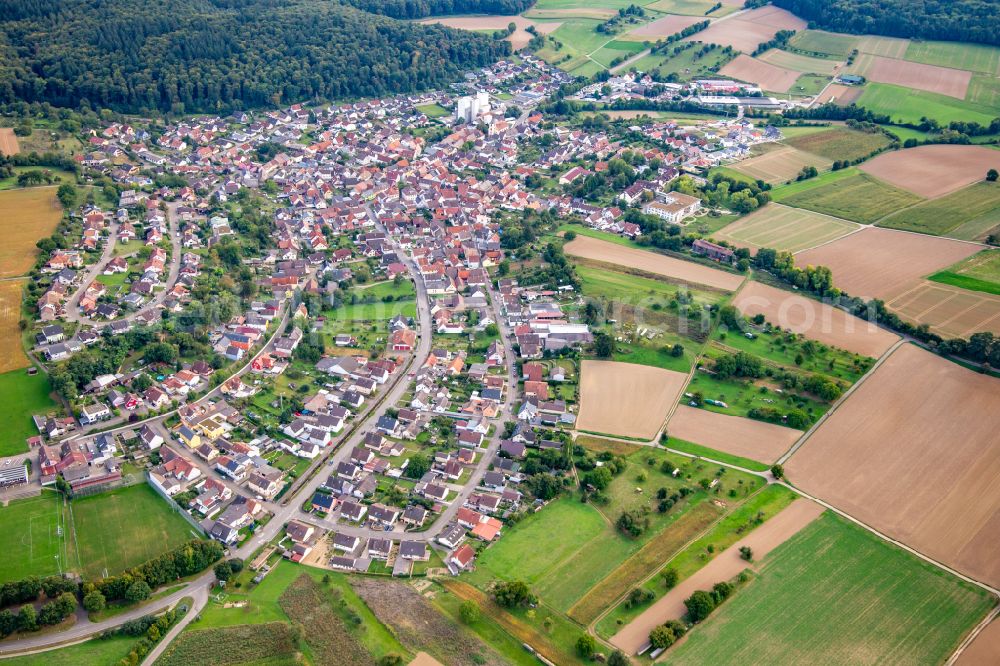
{"x": 412, "y": 9}
{"x": 951, "y": 20}
{"x": 219, "y": 55}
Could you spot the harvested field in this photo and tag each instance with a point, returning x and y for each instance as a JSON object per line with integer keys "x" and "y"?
{"x": 840, "y": 143}
{"x": 651, "y": 262}
{"x": 765, "y": 75}
{"x": 950, "y": 311}
{"x": 799, "y": 63}
{"x": 725, "y": 566}
{"x": 985, "y": 649}
{"x": 785, "y": 228}
{"x": 12, "y": 355}
{"x": 834, "y": 593}
{"x": 26, "y": 216}
{"x": 840, "y": 94}
{"x": 815, "y": 320}
{"x": 782, "y": 165}
{"x": 663, "y": 27}
{"x": 933, "y": 171}
{"x": 748, "y": 30}
{"x": 913, "y": 453}
{"x": 849, "y": 194}
{"x": 659, "y": 549}
{"x": 518, "y": 40}
{"x": 626, "y": 399}
{"x": 419, "y": 624}
{"x": 764, "y": 442}
{"x": 941, "y": 80}
{"x": 883, "y": 263}
{"x": 8, "y": 142}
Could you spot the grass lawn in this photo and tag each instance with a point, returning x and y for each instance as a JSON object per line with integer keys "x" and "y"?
{"x": 765, "y": 504}
{"x": 809, "y": 84}
{"x": 95, "y": 651}
{"x": 832, "y": 588}
{"x": 941, "y": 216}
{"x": 21, "y": 395}
{"x": 433, "y": 110}
{"x": 859, "y": 198}
{"x": 34, "y": 537}
{"x": 980, "y": 272}
{"x": 705, "y": 452}
{"x": 840, "y": 143}
{"x": 125, "y": 527}
{"x": 909, "y": 105}
{"x": 657, "y": 355}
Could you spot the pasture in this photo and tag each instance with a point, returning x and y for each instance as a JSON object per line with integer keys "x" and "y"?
{"x": 726, "y": 566}
{"x": 748, "y": 30}
{"x": 821, "y": 42}
{"x": 883, "y": 263}
{"x": 980, "y": 272}
{"x": 8, "y": 142}
{"x": 95, "y": 651}
{"x": 35, "y": 538}
{"x": 626, "y": 399}
{"x": 840, "y": 143}
{"x": 26, "y": 216}
{"x": 764, "y": 74}
{"x": 781, "y": 165}
{"x": 735, "y": 435}
{"x": 662, "y": 27}
{"x": 22, "y": 395}
{"x": 918, "y": 76}
{"x": 799, "y": 63}
{"x": 652, "y": 262}
{"x": 125, "y": 527}
{"x": 814, "y": 320}
{"x": 12, "y": 356}
{"x": 784, "y": 228}
{"x": 933, "y": 171}
{"x": 935, "y": 460}
{"x": 909, "y": 106}
{"x": 879, "y": 605}
{"x": 859, "y": 198}
{"x": 952, "y": 311}
{"x": 956, "y": 214}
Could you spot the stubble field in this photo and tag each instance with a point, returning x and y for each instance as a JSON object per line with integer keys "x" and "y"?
{"x": 747, "y": 438}
{"x": 766, "y": 75}
{"x": 913, "y": 453}
{"x": 780, "y": 165}
{"x": 626, "y": 399}
{"x": 748, "y": 30}
{"x": 941, "y": 80}
{"x": 8, "y": 142}
{"x": 26, "y": 216}
{"x": 933, "y": 171}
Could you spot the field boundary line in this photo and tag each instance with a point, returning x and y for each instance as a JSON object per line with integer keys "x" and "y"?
{"x": 978, "y": 629}
{"x": 840, "y": 401}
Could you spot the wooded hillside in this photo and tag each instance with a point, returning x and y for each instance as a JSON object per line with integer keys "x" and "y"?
{"x": 949, "y": 20}
{"x": 217, "y": 55}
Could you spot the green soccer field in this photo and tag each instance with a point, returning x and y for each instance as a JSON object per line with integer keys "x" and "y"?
{"x": 836, "y": 594}
{"x": 123, "y": 528}
{"x": 34, "y": 538}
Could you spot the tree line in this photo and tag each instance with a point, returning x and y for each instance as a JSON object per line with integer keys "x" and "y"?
{"x": 187, "y": 56}
{"x": 949, "y": 20}
{"x": 413, "y": 9}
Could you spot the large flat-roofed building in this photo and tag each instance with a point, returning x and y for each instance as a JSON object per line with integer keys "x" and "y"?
{"x": 674, "y": 207}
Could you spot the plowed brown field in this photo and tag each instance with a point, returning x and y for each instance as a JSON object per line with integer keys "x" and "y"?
{"x": 764, "y": 442}
{"x": 626, "y": 399}
{"x": 765, "y": 75}
{"x": 913, "y": 452}
{"x": 933, "y": 171}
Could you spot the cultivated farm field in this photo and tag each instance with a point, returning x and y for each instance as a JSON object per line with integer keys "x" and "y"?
{"x": 878, "y": 604}
{"x": 857, "y": 197}
{"x": 910, "y": 105}
{"x": 125, "y": 527}
{"x": 980, "y": 272}
{"x": 785, "y": 228}
{"x": 968, "y": 214}
{"x": 8, "y": 142}
{"x": 747, "y": 438}
{"x": 813, "y": 319}
{"x": 840, "y": 94}
{"x": 662, "y": 27}
{"x": 840, "y": 143}
{"x": 35, "y": 537}
{"x": 933, "y": 171}
{"x": 950, "y": 310}
{"x": 651, "y": 262}
{"x": 12, "y": 355}
{"x": 28, "y": 215}
{"x": 800, "y": 63}
{"x": 518, "y": 40}
{"x": 780, "y": 165}
{"x": 626, "y": 399}
{"x": 819, "y": 41}
{"x": 271, "y": 643}
{"x": 883, "y": 263}
{"x": 913, "y": 453}
{"x": 973, "y": 57}
{"x": 940, "y": 80}
{"x": 748, "y": 30}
